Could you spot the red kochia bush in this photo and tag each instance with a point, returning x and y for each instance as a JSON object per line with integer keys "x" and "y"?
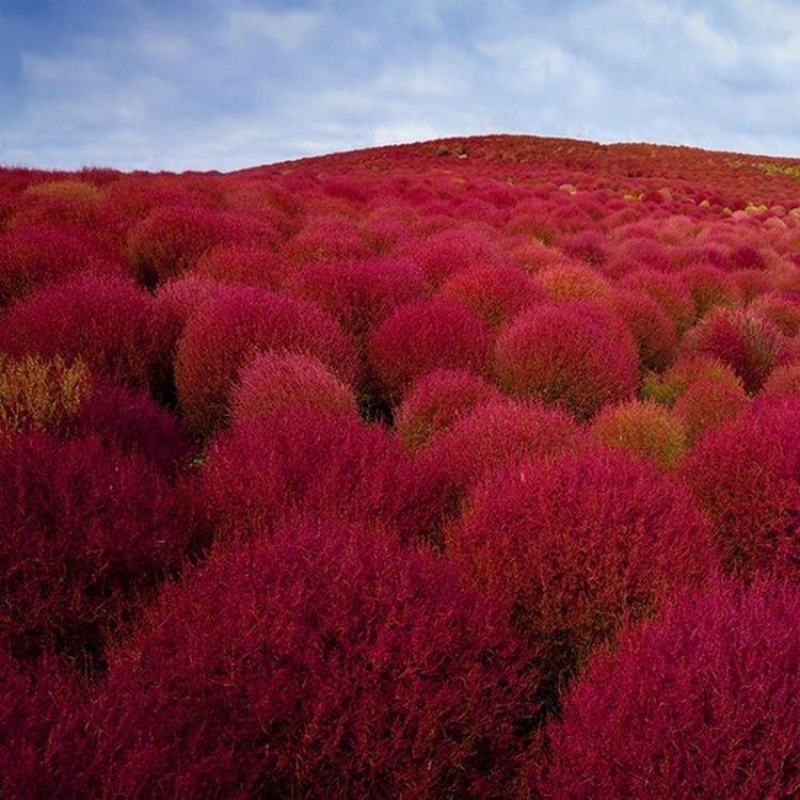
{"x": 746, "y": 475}
{"x": 227, "y": 331}
{"x": 494, "y": 434}
{"x": 576, "y": 546}
{"x": 361, "y": 293}
{"x": 33, "y": 255}
{"x": 423, "y": 336}
{"x": 573, "y": 353}
{"x": 745, "y": 340}
{"x": 708, "y": 403}
{"x": 107, "y": 322}
{"x": 494, "y": 293}
{"x": 84, "y": 530}
{"x": 449, "y": 251}
{"x": 668, "y": 291}
{"x": 436, "y": 401}
{"x": 288, "y": 380}
{"x": 302, "y": 462}
{"x": 701, "y": 703}
{"x": 328, "y": 662}
{"x": 251, "y": 264}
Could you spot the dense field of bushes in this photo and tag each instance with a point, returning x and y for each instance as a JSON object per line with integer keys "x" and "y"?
{"x": 466, "y": 469}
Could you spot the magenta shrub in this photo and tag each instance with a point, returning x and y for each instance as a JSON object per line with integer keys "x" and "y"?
{"x": 226, "y": 332}
{"x": 305, "y": 463}
{"x": 327, "y": 662}
{"x": 423, "y": 336}
{"x": 576, "y": 546}
{"x": 107, "y": 322}
{"x": 86, "y": 531}
{"x": 574, "y": 354}
{"x": 701, "y": 703}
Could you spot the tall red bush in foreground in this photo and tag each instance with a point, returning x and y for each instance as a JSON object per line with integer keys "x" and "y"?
{"x": 575, "y": 547}
{"x": 423, "y": 336}
{"x": 574, "y": 354}
{"x": 84, "y": 530}
{"x": 106, "y": 322}
{"x": 746, "y": 475}
{"x": 351, "y": 667}
{"x": 224, "y": 333}
{"x": 305, "y": 463}
{"x": 701, "y": 703}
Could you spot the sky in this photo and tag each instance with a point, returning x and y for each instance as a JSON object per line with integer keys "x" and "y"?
{"x": 225, "y": 84}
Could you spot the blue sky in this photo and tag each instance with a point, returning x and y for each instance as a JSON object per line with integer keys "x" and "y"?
{"x": 199, "y": 84}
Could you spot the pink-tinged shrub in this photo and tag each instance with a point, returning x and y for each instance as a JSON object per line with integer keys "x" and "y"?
{"x": 494, "y": 293}
{"x": 108, "y": 323}
{"x": 654, "y": 331}
{"x": 711, "y": 288}
{"x": 85, "y": 531}
{"x": 224, "y": 333}
{"x": 645, "y": 429}
{"x": 783, "y": 381}
{"x": 33, "y": 255}
{"x": 170, "y": 240}
{"x": 447, "y": 252}
{"x": 349, "y": 667}
{"x": 707, "y": 404}
{"x": 272, "y": 381}
{"x": 575, "y": 547}
{"x": 572, "y": 282}
{"x": 746, "y": 475}
{"x": 360, "y": 294}
{"x": 250, "y": 264}
{"x": 587, "y": 245}
{"x": 741, "y": 338}
{"x": 494, "y": 434}
{"x": 752, "y": 283}
{"x": 423, "y": 336}
{"x": 305, "y": 463}
{"x": 324, "y": 238}
{"x": 436, "y": 401}
{"x": 668, "y": 291}
{"x": 701, "y": 703}
{"x": 782, "y": 310}
{"x": 575, "y": 354}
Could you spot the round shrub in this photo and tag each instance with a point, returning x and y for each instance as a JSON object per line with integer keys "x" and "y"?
{"x": 645, "y": 429}
{"x": 782, "y": 311}
{"x": 436, "y": 401}
{"x": 572, "y": 282}
{"x": 304, "y": 463}
{"x": 326, "y": 237}
{"x": 273, "y": 380}
{"x": 494, "y": 293}
{"x": 224, "y": 333}
{"x": 423, "y": 336}
{"x": 666, "y": 388}
{"x": 572, "y": 353}
{"x": 86, "y": 530}
{"x": 711, "y": 288}
{"x": 328, "y": 662}
{"x": 746, "y": 475}
{"x": 783, "y": 381}
{"x": 700, "y": 703}
{"x": 494, "y": 434}
{"x": 706, "y": 404}
{"x": 359, "y": 294}
{"x": 170, "y": 239}
{"x": 250, "y": 264}
{"x": 33, "y": 255}
{"x": 107, "y": 322}
{"x": 574, "y": 547}
{"x": 668, "y": 291}
{"x": 749, "y": 343}
{"x": 655, "y": 333}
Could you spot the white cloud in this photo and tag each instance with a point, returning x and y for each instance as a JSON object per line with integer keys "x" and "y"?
{"x": 285, "y": 29}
